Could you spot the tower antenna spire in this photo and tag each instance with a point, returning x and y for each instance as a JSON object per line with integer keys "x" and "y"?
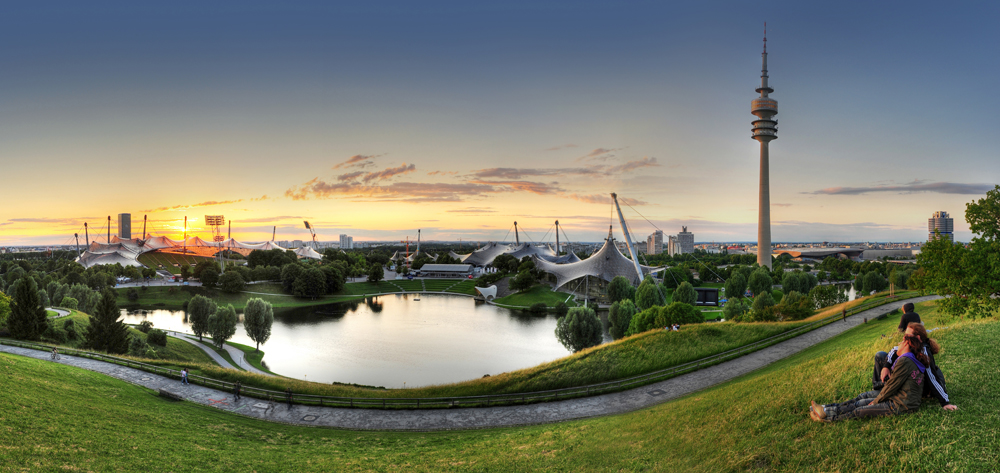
{"x": 765, "y": 37}
{"x": 765, "y": 129}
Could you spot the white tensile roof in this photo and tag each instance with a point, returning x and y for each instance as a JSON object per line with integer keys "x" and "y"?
{"x": 605, "y": 263}
{"x": 126, "y": 252}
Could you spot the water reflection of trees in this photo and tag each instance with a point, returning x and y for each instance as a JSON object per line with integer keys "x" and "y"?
{"x": 374, "y": 304}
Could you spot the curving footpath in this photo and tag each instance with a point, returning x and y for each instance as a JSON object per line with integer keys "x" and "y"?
{"x": 478, "y": 418}
{"x": 236, "y": 354}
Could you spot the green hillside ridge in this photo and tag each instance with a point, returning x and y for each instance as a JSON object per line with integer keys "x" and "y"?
{"x": 67, "y": 418}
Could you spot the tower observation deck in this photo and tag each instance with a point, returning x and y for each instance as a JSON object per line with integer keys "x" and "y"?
{"x": 765, "y": 129}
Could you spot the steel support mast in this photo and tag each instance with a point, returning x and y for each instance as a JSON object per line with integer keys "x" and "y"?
{"x": 628, "y": 238}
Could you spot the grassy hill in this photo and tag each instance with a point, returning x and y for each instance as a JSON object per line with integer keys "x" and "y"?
{"x": 65, "y": 418}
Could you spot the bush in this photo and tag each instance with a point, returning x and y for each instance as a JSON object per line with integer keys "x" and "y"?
{"x": 157, "y": 337}
{"x": 70, "y": 328}
{"x": 69, "y": 303}
{"x": 794, "y": 306}
{"x": 661, "y": 317}
{"x": 137, "y": 347}
{"x": 132, "y": 294}
{"x": 145, "y": 326}
{"x": 231, "y": 282}
{"x": 777, "y": 295}
{"x": 490, "y": 279}
{"x": 734, "y": 309}
{"x": 579, "y": 329}
{"x": 561, "y": 309}
{"x": 538, "y": 308}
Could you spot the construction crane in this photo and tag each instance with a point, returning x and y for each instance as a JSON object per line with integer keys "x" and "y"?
{"x": 407, "y": 241}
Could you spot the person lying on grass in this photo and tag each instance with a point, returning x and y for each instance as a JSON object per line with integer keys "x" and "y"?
{"x": 901, "y": 393}
{"x": 934, "y": 385}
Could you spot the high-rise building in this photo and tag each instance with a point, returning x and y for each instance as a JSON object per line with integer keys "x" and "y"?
{"x": 944, "y": 224}
{"x": 654, "y": 243}
{"x": 672, "y": 247}
{"x": 125, "y": 226}
{"x": 765, "y": 129}
{"x": 346, "y": 242}
{"x": 685, "y": 240}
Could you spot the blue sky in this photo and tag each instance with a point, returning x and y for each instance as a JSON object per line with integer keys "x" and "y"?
{"x": 465, "y": 116}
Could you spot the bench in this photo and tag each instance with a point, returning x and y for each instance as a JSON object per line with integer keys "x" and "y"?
{"x": 170, "y": 395}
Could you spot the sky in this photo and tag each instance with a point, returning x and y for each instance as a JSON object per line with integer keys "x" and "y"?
{"x": 375, "y": 119}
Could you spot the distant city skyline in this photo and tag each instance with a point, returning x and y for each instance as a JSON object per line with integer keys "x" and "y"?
{"x": 374, "y": 120}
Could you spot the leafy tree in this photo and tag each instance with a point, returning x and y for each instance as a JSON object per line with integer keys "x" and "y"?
{"x": 231, "y": 282}
{"x": 185, "y": 271}
{"x": 620, "y": 317}
{"x": 69, "y": 303}
{"x": 760, "y": 282}
{"x": 222, "y": 325}
{"x": 157, "y": 337}
{"x": 137, "y": 346}
{"x": 873, "y": 281}
{"x": 505, "y": 263}
{"x": 310, "y": 283}
{"x": 794, "y": 306}
{"x": 106, "y": 331}
{"x": 620, "y": 289}
{"x": 647, "y": 295}
{"x": 660, "y": 317}
{"x": 258, "y": 317}
{"x": 200, "y": 309}
{"x": 375, "y": 273}
{"x": 334, "y": 278}
{"x": 825, "y": 296}
{"x": 734, "y": 308}
{"x": 762, "y": 308}
{"x": 289, "y": 273}
{"x": 523, "y": 281}
{"x": 685, "y": 293}
{"x": 579, "y": 329}
{"x": 420, "y": 260}
{"x": 735, "y": 286}
{"x": 209, "y": 276}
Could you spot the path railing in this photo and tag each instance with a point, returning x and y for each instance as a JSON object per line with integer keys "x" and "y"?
{"x": 486, "y": 400}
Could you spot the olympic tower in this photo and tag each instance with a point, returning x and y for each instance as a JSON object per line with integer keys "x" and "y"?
{"x": 765, "y": 129}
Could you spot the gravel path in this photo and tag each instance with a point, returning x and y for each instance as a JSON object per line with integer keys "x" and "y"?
{"x": 477, "y": 418}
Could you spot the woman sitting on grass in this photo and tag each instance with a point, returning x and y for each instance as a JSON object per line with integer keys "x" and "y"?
{"x": 901, "y": 393}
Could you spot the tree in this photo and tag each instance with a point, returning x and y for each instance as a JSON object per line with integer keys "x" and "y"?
{"x": 289, "y": 273}
{"x": 209, "y": 276}
{"x": 222, "y": 325}
{"x": 231, "y": 282}
{"x": 825, "y": 296}
{"x": 257, "y": 320}
{"x": 761, "y": 310}
{"x": 685, "y": 293}
{"x": 106, "y": 331}
{"x": 734, "y": 309}
{"x": 647, "y": 295}
{"x": 334, "y": 278}
{"x": 579, "y": 329}
{"x": 523, "y": 281}
{"x": 735, "y": 286}
{"x": 376, "y": 273}
{"x": 794, "y": 306}
{"x": 200, "y": 309}
{"x": 760, "y": 282}
{"x": 661, "y": 316}
{"x": 873, "y": 282}
{"x": 620, "y": 317}
{"x": 27, "y": 319}
{"x": 185, "y": 271}
{"x": 620, "y": 289}
{"x": 310, "y": 283}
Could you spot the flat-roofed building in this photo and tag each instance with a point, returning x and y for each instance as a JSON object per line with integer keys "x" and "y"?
{"x": 446, "y": 270}
{"x": 685, "y": 240}
{"x": 654, "y": 243}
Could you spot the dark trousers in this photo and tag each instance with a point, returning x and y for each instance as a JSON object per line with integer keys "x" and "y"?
{"x": 881, "y": 361}
{"x": 860, "y": 407}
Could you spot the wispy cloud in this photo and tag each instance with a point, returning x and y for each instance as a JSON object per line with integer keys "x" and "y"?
{"x": 912, "y": 187}
{"x": 398, "y": 191}
{"x": 389, "y": 172}
{"x": 554, "y": 148}
{"x": 599, "y": 154}
{"x": 472, "y": 210}
{"x": 518, "y": 173}
{"x": 540, "y": 188}
{"x": 207, "y": 203}
{"x": 632, "y": 165}
{"x": 442, "y": 173}
{"x": 358, "y": 161}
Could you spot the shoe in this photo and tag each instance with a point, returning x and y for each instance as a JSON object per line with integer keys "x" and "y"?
{"x": 815, "y": 417}
{"x": 817, "y": 410}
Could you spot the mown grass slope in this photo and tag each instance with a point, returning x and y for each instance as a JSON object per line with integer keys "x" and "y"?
{"x": 65, "y": 418}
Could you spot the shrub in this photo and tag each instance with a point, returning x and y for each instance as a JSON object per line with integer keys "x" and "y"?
{"x": 734, "y": 309}
{"x": 157, "y": 337}
{"x": 660, "y": 317}
{"x": 538, "y": 308}
{"x": 69, "y": 303}
{"x": 579, "y": 329}
{"x": 561, "y": 309}
{"x": 132, "y": 294}
{"x": 231, "y": 282}
{"x": 489, "y": 279}
{"x": 145, "y": 326}
{"x": 137, "y": 347}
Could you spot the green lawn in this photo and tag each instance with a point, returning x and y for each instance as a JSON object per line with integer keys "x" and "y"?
{"x": 538, "y": 293}
{"x": 67, "y": 418}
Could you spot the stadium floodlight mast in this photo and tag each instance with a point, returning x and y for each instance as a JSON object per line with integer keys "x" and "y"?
{"x": 313, "y": 232}
{"x": 216, "y": 222}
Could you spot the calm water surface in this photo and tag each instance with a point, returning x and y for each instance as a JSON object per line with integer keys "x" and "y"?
{"x": 392, "y": 340}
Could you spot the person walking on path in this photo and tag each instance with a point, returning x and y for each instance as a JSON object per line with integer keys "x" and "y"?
{"x": 184, "y": 376}
{"x": 288, "y": 396}
{"x": 845, "y": 315}
{"x": 236, "y": 391}
{"x": 909, "y": 316}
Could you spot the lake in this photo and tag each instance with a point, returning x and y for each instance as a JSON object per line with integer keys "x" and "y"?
{"x": 395, "y": 339}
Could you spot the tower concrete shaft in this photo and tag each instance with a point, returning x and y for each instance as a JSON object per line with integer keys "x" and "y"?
{"x": 765, "y": 129}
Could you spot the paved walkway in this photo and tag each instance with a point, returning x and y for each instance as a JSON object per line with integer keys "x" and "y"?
{"x": 236, "y": 354}
{"x": 477, "y": 418}
{"x": 60, "y": 313}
